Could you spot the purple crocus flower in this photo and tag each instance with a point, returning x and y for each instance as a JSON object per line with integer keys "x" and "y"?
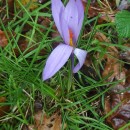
{"x": 69, "y": 21}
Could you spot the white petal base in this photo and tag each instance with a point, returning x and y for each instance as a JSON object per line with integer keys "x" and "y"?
{"x": 81, "y": 56}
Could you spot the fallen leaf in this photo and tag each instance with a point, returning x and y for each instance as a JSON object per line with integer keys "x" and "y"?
{"x": 9, "y": 4}
{"x": 92, "y": 11}
{"x": 118, "y": 101}
{"x": 25, "y": 47}
{"x": 125, "y": 55}
{"x": 3, "y": 39}
{"x": 101, "y": 37}
{"x": 3, "y": 109}
{"x": 113, "y": 68}
{"x": 121, "y": 115}
{"x": 31, "y": 4}
{"x": 104, "y": 9}
{"x": 42, "y": 122}
{"x": 52, "y": 123}
{"x": 31, "y": 127}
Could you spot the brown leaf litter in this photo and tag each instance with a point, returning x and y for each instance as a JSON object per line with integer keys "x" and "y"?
{"x": 3, "y": 108}
{"x": 3, "y": 39}
{"x": 43, "y": 122}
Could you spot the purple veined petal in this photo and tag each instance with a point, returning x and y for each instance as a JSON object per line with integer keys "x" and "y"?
{"x": 56, "y": 60}
{"x": 57, "y": 9}
{"x": 80, "y": 7}
{"x": 65, "y": 30}
{"x": 78, "y": 29}
{"x": 81, "y": 56}
{"x": 71, "y": 16}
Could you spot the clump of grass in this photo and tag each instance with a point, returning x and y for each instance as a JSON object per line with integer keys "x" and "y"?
{"x": 80, "y": 100}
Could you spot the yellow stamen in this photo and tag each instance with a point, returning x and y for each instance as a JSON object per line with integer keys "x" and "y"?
{"x": 71, "y": 42}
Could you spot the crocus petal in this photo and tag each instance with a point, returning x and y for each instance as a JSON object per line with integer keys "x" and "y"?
{"x": 57, "y": 9}
{"x": 65, "y": 30}
{"x": 71, "y": 15}
{"x": 56, "y": 60}
{"x": 80, "y": 8}
{"x": 79, "y": 5}
{"x": 81, "y": 56}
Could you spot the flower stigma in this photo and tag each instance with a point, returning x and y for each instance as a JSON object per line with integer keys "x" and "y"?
{"x": 71, "y": 37}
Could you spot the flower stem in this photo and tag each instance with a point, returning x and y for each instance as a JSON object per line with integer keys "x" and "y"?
{"x": 71, "y": 66}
